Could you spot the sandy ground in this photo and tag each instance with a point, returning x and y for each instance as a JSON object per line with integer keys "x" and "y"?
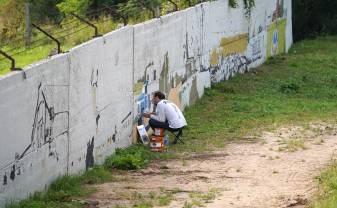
{"x": 264, "y": 173}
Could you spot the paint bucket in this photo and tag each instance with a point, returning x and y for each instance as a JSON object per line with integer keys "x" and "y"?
{"x": 157, "y": 143}
{"x": 159, "y": 132}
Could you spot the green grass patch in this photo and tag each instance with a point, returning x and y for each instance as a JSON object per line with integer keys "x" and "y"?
{"x": 291, "y": 89}
{"x": 328, "y": 185}
{"x": 63, "y": 191}
{"x": 291, "y": 145}
{"x": 132, "y": 158}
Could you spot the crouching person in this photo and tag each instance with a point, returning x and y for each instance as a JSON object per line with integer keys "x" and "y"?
{"x": 167, "y": 115}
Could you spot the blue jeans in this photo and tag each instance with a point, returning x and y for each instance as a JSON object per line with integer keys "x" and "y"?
{"x": 159, "y": 124}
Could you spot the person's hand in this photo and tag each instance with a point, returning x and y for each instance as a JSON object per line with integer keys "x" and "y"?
{"x": 147, "y": 115}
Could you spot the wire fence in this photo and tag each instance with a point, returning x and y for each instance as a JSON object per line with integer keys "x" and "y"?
{"x": 70, "y": 28}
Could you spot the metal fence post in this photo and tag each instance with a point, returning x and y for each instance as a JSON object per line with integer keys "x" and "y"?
{"x": 88, "y": 23}
{"x": 13, "y": 68}
{"x": 50, "y": 36}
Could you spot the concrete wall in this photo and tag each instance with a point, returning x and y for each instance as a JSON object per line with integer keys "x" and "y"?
{"x": 74, "y": 109}
{"x": 34, "y": 127}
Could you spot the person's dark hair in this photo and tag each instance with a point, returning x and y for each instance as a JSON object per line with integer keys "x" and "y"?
{"x": 159, "y": 94}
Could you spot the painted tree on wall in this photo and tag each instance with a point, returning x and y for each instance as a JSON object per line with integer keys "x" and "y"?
{"x": 247, "y": 4}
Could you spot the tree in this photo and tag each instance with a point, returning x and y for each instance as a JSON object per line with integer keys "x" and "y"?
{"x": 75, "y": 6}
{"x": 13, "y": 18}
{"x": 136, "y": 8}
{"x": 314, "y": 17}
{"x": 45, "y": 11}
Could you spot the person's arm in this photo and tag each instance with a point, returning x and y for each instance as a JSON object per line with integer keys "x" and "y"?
{"x": 148, "y": 115}
{"x": 160, "y": 113}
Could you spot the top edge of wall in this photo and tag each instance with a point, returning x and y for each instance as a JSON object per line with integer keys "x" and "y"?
{"x": 28, "y": 68}
{"x": 166, "y": 17}
{"x": 122, "y": 29}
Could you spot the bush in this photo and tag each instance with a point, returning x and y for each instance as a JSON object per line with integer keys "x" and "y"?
{"x": 290, "y": 87}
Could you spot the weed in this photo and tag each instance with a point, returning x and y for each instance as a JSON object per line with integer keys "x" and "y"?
{"x": 131, "y": 158}
{"x": 187, "y": 205}
{"x": 165, "y": 199}
{"x": 328, "y": 184}
{"x": 319, "y": 141}
{"x": 184, "y": 163}
{"x": 290, "y": 87}
{"x": 206, "y": 197}
{"x": 292, "y": 145}
{"x": 197, "y": 203}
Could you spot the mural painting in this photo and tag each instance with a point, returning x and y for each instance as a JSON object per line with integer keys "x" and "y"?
{"x": 276, "y": 31}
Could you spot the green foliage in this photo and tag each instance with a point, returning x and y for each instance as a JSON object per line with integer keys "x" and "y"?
{"x": 132, "y": 158}
{"x": 75, "y": 6}
{"x": 136, "y": 8}
{"x": 289, "y": 87}
{"x": 328, "y": 182}
{"x": 45, "y": 11}
{"x": 313, "y": 17}
{"x": 11, "y": 18}
{"x": 63, "y": 190}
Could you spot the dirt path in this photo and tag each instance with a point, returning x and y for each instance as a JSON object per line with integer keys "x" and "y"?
{"x": 264, "y": 173}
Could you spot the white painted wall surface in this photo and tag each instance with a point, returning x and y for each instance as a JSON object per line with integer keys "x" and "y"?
{"x": 34, "y": 128}
{"x": 91, "y": 98}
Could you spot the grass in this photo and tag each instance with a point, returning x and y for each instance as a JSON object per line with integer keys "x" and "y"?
{"x": 132, "y": 158}
{"x": 292, "y": 145}
{"x": 328, "y": 184}
{"x": 64, "y": 191}
{"x": 151, "y": 199}
{"x": 288, "y": 89}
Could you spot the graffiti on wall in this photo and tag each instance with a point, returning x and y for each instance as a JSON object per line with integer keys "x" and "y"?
{"x": 228, "y": 67}
{"x": 94, "y": 88}
{"x": 255, "y": 48}
{"x": 229, "y": 58}
{"x": 50, "y": 122}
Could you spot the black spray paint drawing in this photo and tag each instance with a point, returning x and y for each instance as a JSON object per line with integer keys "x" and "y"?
{"x": 49, "y": 123}
{"x": 89, "y": 158}
{"x": 43, "y": 132}
{"x": 5, "y": 179}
